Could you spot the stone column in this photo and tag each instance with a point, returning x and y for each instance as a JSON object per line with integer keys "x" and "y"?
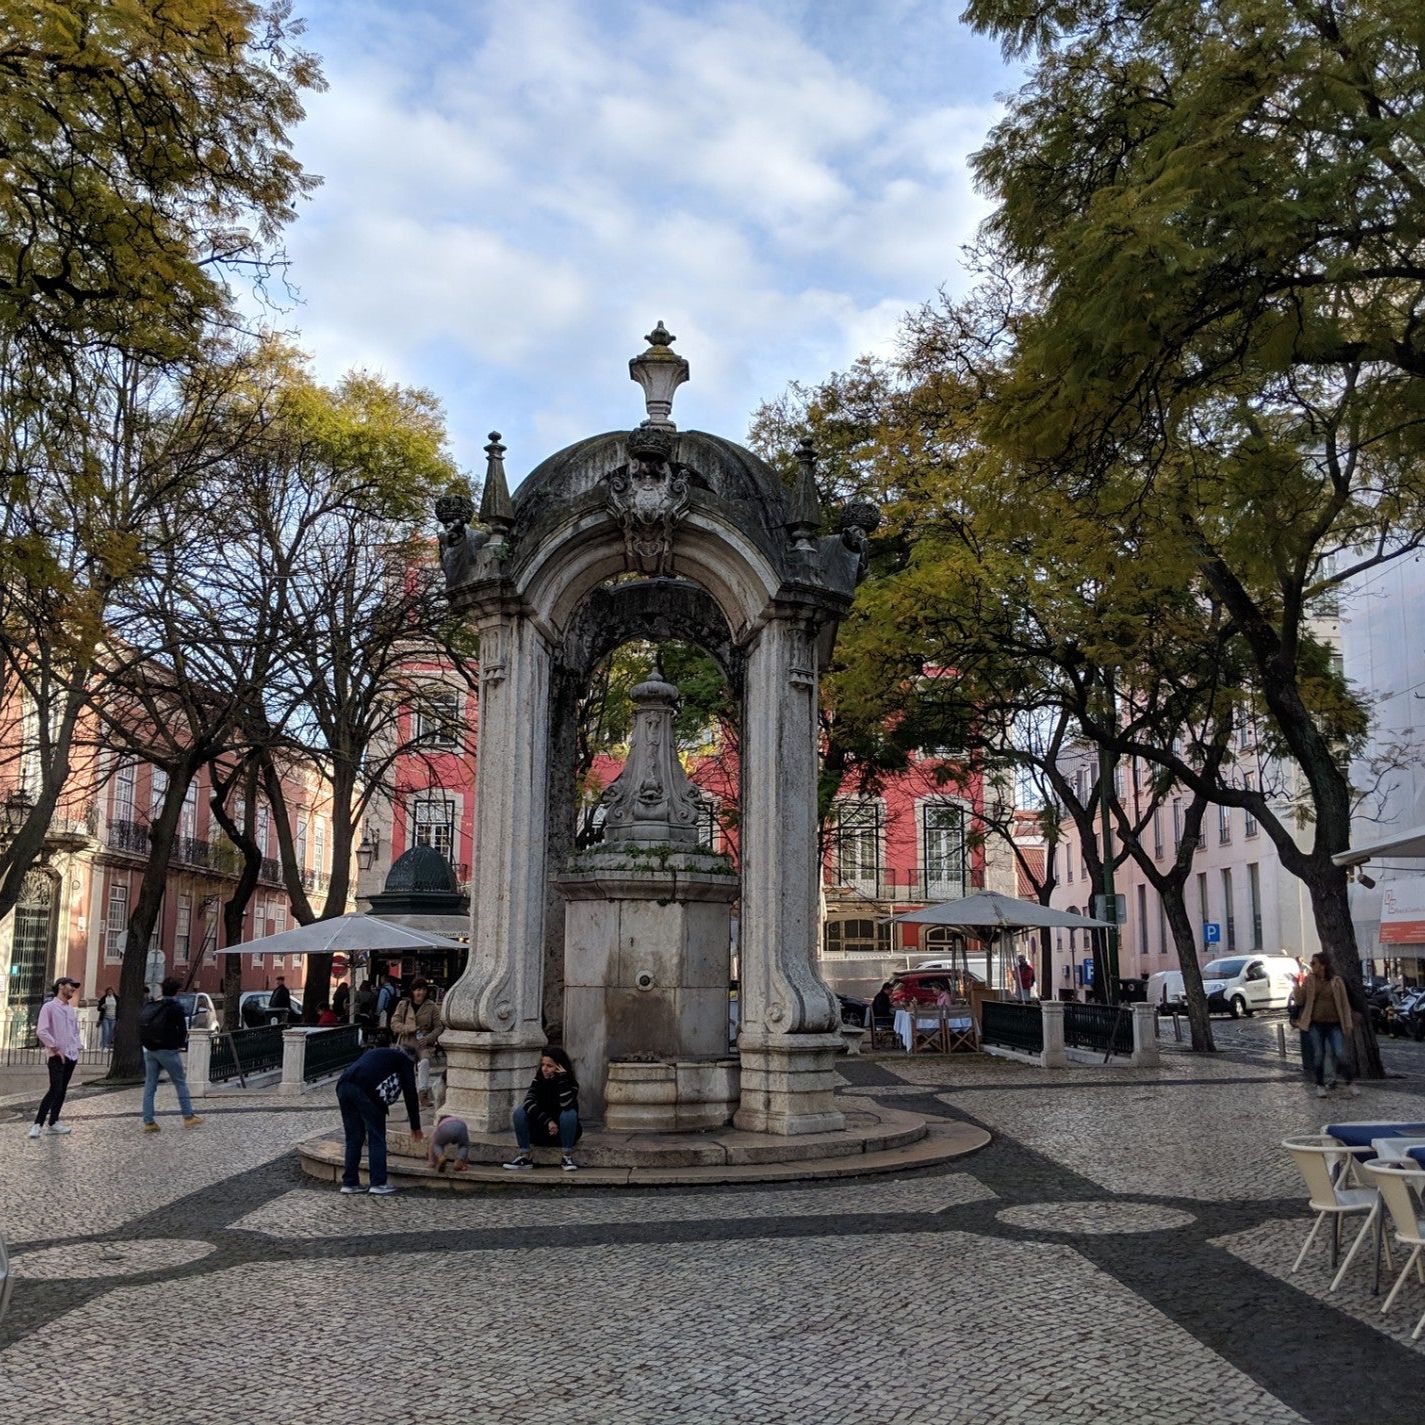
{"x": 493, "y": 1011}
{"x": 200, "y": 1058}
{"x": 1145, "y": 1036}
{"x": 1053, "y": 1016}
{"x": 294, "y": 1061}
{"x": 790, "y": 1032}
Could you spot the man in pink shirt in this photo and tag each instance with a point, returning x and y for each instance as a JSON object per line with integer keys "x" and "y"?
{"x": 58, "y": 1031}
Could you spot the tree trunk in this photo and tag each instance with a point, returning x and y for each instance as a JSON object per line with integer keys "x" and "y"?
{"x": 1180, "y": 923}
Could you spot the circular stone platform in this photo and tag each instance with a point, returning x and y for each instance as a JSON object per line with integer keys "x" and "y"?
{"x": 875, "y": 1140}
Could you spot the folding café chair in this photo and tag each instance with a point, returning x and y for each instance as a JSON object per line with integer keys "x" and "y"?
{"x": 929, "y": 1031}
{"x": 1323, "y": 1162}
{"x": 1398, "y": 1184}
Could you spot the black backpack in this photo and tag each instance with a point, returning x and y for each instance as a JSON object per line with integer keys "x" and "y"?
{"x": 151, "y": 1025}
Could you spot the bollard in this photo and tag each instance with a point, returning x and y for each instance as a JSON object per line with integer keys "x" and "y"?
{"x": 1177, "y": 1028}
{"x": 1281, "y": 1041}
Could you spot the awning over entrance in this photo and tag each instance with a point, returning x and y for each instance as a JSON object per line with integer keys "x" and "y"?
{"x": 1404, "y": 843}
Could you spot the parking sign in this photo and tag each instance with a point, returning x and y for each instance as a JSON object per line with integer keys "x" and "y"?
{"x": 1211, "y": 933}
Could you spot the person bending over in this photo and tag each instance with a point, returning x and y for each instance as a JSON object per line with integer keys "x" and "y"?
{"x": 550, "y": 1110}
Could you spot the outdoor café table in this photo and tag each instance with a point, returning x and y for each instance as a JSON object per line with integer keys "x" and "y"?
{"x": 927, "y": 1017}
{"x": 1363, "y": 1140}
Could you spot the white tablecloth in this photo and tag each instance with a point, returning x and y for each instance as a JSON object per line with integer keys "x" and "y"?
{"x": 958, "y": 1019}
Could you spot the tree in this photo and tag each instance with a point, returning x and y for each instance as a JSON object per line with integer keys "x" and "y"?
{"x": 1220, "y": 209}
{"x": 146, "y": 163}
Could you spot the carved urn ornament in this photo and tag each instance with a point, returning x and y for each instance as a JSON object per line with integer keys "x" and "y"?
{"x": 652, "y": 802}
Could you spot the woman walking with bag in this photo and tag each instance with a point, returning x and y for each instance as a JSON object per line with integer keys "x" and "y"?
{"x": 1326, "y": 1016}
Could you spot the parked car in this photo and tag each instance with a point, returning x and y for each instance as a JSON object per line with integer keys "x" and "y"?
{"x": 199, "y": 1010}
{"x": 255, "y": 1012}
{"x": 1236, "y": 984}
{"x": 922, "y": 986}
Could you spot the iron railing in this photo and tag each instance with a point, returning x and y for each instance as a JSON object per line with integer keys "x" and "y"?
{"x": 1012, "y": 1026}
{"x": 329, "y": 1050}
{"x": 243, "y": 1052}
{"x": 1104, "y": 1028}
{"x": 128, "y": 835}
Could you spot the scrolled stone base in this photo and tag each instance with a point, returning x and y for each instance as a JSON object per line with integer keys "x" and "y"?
{"x": 676, "y": 1096}
{"x": 487, "y": 1075}
{"x": 789, "y": 1084}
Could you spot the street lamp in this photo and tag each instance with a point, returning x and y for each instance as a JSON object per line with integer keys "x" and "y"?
{"x": 17, "y": 808}
{"x": 369, "y": 849}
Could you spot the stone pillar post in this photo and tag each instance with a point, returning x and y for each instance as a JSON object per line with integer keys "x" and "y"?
{"x": 1052, "y": 1012}
{"x": 493, "y": 1011}
{"x": 1145, "y": 1036}
{"x": 199, "y": 1065}
{"x": 790, "y": 1031}
{"x": 294, "y": 1061}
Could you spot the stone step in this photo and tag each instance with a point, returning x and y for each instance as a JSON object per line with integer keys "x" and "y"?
{"x": 936, "y": 1143}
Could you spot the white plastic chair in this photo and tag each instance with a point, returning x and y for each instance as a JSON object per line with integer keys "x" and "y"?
{"x": 1316, "y": 1156}
{"x": 1398, "y": 1183}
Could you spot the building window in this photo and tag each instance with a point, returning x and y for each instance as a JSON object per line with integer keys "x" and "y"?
{"x": 436, "y": 720}
{"x": 942, "y": 834}
{"x": 1229, "y": 926}
{"x": 158, "y": 791}
{"x": 857, "y": 937}
{"x": 432, "y": 823}
{"x": 116, "y": 922}
{"x": 1177, "y": 824}
{"x": 155, "y": 936}
{"x": 1083, "y": 862}
{"x": 188, "y": 816}
{"x": 124, "y": 791}
{"x": 858, "y": 843}
{"x": 1143, "y": 920}
{"x": 30, "y": 774}
{"x": 1157, "y": 833}
{"x": 182, "y": 929}
{"x": 707, "y": 822}
{"x": 1224, "y": 825}
{"x": 264, "y": 818}
{"x": 319, "y": 831}
{"x": 1162, "y": 928}
{"x": 301, "y": 848}
{"x": 1254, "y": 903}
{"x": 1249, "y": 822}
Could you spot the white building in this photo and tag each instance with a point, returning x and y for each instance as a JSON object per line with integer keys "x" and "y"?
{"x": 1383, "y": 654}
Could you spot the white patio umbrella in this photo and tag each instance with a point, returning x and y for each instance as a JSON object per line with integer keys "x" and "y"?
{"x": 989, "y": 911}
{"x": 345, "y": 933}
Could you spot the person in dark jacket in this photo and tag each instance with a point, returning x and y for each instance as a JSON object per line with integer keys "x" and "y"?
{"x": 364, "y": 1092}
{"x": 550, "y": 1110}
{"x": 163, "y": 1032}
{"x": 341, "y": 1002}
{"x": 883, "y": 1012}
{"x": 366, "y": 1008}
{"x": 280, "y": 1004}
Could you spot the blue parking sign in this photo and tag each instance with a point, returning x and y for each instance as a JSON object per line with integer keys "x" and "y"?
{"x": 1088, "y": 972}
{"x": 1211, "y": 933}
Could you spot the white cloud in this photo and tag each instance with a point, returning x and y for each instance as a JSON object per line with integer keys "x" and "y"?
{"x": 515, "y": 193}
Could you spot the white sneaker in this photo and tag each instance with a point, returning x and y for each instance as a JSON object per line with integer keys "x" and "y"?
{"x": 35, "y": 1130}
{"x": 383, "y": 1190}
{"x": 1354, "y": 1090}
{"x": 60, "y": 1128}
{"x": 347, "y": 1191}
{"x": 569, "y": 1165}
{"x": 1320, "y": 1091}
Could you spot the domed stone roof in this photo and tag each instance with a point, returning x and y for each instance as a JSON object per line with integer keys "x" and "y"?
{"x": 420, "y": 880}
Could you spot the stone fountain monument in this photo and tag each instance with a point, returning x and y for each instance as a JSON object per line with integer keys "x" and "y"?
{"x": 653, "y": 534}
{"x": 647, "y": 945}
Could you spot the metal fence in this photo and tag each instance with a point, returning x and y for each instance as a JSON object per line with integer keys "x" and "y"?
{"x": 1012, "y": 1026}
{"x": 243, "y": 1052}
{"x": 328, "y": 1050}
{"x": 35, "y": 1054}
{"x": 1106, "y": 1028}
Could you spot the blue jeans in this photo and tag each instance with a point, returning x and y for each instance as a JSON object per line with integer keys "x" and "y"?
{"x": 1327, "y": 1038}
{"x": 170, "y": 1062}
{"x": 568, "y": 1129}
{"x": 362, "y": 1118}
{"x": 106, "y": 1033}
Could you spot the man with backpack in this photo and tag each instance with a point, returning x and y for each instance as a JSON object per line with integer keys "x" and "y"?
{"x": 163, "y": 1032}
{"x": 387, "y": 1000}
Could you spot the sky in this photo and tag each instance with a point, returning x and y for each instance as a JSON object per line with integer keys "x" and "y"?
{"x": 515, "y": 191}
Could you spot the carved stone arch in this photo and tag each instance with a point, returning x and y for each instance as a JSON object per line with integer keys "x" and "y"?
{"x": 658, "y": 611}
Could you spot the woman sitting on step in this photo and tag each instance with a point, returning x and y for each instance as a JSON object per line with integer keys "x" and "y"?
{"x": 550, "y": 1110}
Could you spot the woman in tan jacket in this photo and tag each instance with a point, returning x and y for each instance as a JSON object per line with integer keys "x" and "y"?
{"x": 1326, "y": 1016}
{"x": 417, "y": 1025}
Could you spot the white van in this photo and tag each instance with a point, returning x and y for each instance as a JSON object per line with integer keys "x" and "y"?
{"x": 1236, "y": 984}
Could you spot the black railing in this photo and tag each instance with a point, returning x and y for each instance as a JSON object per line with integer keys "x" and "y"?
{"x": 243, "y": 1052}
{"x": 1104, "y": 1028}
{"x": 271, "y": 869}
{"x": 1012, "y": 1026}
{"x": 192, "y": 851}
{"x": 329, "y": 1050}
{"x": 129, "y": 835}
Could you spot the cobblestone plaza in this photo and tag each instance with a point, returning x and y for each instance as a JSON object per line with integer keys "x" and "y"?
{"x": 1119, "y": 1253}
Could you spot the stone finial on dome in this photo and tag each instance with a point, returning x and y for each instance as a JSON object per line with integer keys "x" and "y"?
{"x": 806, "y": 499}
{"x": 496, "y": 508}
{"x": 660, "y": 371}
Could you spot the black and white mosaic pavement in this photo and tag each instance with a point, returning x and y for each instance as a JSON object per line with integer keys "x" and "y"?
{"x": 1119, "y": 1255}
